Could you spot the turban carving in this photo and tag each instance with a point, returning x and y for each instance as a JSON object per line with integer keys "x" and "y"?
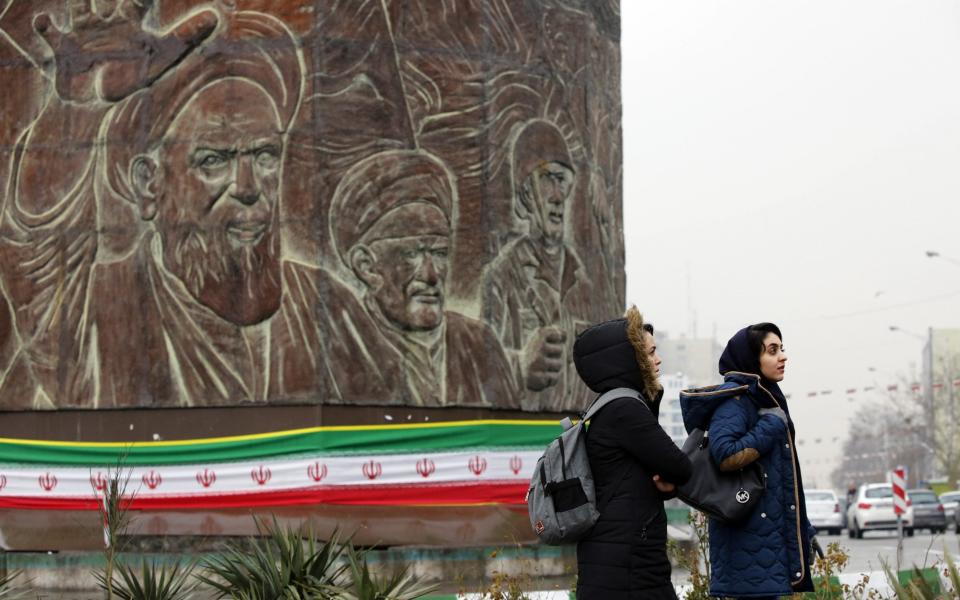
{"x": 394, "y": 182}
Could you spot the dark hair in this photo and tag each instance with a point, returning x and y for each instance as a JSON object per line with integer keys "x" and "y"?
{"x": 756, "y": 334}
{"x": 648, "y": 328}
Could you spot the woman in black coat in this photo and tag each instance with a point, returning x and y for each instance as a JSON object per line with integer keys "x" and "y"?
{"x": 635, "y": 466}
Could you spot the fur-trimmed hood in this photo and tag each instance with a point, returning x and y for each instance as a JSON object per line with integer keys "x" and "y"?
{"x": 609, "y": 355}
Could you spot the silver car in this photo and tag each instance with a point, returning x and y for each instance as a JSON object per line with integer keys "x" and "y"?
{"x": 928, "y": 513}
{"x": 949, "y": 501}
{"x": 823, "y": 511}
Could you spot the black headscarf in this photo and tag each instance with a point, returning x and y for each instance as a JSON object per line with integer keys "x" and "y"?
{"x": 740, "y": 355}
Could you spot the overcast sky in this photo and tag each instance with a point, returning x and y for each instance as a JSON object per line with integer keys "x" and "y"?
{"x": 792, "y": 162}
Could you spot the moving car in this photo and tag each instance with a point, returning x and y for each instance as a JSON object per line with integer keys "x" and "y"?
{"x": 928, "y": 512}
{"x": 872, "y": 510}
{"x": 823, "y": 511}
{"x": 949, "y": 501}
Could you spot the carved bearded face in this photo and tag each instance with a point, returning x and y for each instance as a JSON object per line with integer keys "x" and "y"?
{"x": 413, "y": 271}
{"x": 405, "y": 266}
{"x": 217, "y": 198}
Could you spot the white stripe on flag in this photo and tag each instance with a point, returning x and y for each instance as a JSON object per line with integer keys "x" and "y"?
{"x": 278, "y": 474}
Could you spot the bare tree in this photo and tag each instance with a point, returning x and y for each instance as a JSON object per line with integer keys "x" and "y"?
{"x": 885, "y": 434}
{"x": 946, "y": 396}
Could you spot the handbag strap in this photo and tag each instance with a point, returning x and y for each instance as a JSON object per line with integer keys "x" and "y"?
{"x": 599, "y": 403}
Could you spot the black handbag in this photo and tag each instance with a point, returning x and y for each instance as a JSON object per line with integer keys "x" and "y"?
{"x": 729, "y": 496}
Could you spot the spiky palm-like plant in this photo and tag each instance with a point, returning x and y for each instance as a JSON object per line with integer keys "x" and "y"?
{"x": 401, "y": 585}
{"x": 288, "y": 564}
{"x": 918, "y": 588}
{"x": 9, "y": 589}
{"x": 150, "y": 582}
{"x": 113, "y": 505}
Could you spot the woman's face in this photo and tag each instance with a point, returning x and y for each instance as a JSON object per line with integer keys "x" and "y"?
{"x": 650, "y": 347}
{"x": 772, "y": 358}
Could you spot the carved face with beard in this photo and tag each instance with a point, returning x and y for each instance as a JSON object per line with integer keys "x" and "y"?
{"x": 213, "y": 192}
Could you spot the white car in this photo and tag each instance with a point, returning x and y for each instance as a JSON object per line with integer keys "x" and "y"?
{"x": 949, "y": 501}
{"x": 823, "y": 511}
{"x": 872, "y": 510}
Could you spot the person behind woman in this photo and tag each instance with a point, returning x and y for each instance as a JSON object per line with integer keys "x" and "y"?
{"x": 635, "y": 466}
{"x": 769, "y": 553}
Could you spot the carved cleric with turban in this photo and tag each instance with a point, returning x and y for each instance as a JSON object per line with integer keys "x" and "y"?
{"x": 190, "y": 302}
{"x": 527, "y": 295}
{"x": 392, "y": 220}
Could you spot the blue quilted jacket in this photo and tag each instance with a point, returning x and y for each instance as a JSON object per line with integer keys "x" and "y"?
{"x": 768, "y": 554}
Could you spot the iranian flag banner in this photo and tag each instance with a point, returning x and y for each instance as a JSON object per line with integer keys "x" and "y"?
{"x": 452, "y": 463}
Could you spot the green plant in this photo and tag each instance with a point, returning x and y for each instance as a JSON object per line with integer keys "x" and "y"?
{"x": 9, "y": 590}
{"x": 113, "y": 506}
{"x": 952, "y": 574}
{"x": 152, "y": 582}
{"x": 401, "y": 585}
{"x": 505, "y": 587}
{"x": 919, "y": 588}
{"x": 825, "y": 569}
{"x": 285, "y": 564}
{"x": 696, "y": 560}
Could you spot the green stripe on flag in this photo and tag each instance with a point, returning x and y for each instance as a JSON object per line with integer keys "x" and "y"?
{"x": 395, "y": 439}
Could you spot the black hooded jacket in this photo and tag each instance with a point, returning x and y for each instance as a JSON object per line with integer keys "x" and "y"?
{"x": 624, "y": 556}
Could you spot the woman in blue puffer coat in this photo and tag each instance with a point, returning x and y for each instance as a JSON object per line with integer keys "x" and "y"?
{"x": 769, "y": 553}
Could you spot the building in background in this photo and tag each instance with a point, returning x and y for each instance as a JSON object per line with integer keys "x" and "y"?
{"x": 696, "y": 358}
{"x": 670, "y": 417}
{"x": 941, "y": 376}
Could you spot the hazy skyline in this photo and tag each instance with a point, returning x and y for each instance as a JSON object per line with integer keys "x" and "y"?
{"x": 792, "y": 162}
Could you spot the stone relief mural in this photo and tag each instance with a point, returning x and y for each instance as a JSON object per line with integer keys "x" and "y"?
{"x": 410, "y": 202}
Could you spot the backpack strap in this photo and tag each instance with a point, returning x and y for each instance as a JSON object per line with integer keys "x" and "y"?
{"x": 608, "y": 397}
{"x": 599, "y": 403}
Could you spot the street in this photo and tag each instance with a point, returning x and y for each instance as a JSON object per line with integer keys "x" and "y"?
{"x": 867, "y": 555}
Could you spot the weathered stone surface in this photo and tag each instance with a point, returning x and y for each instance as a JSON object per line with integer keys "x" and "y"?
{"x": 400, "y": 202}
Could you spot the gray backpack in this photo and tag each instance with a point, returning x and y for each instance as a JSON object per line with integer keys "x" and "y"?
{"x": 561, "y": 499}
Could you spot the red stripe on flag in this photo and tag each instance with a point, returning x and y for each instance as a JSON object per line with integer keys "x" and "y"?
{"x": 373, "y": 495}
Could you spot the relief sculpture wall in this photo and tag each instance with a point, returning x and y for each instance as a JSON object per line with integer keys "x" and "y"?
{"x": 366, "y": 202}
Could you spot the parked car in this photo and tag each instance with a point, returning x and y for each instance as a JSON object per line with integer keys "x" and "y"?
{"x": 928, "y": 512}
{"x": 872, "y": 510}
{"x": 823, "y": 511}
{"x": 949, "y": 501}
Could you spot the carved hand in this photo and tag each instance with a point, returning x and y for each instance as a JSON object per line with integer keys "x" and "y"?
{"x": 110, "y": 57}
{"x": 544, "y": 358}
